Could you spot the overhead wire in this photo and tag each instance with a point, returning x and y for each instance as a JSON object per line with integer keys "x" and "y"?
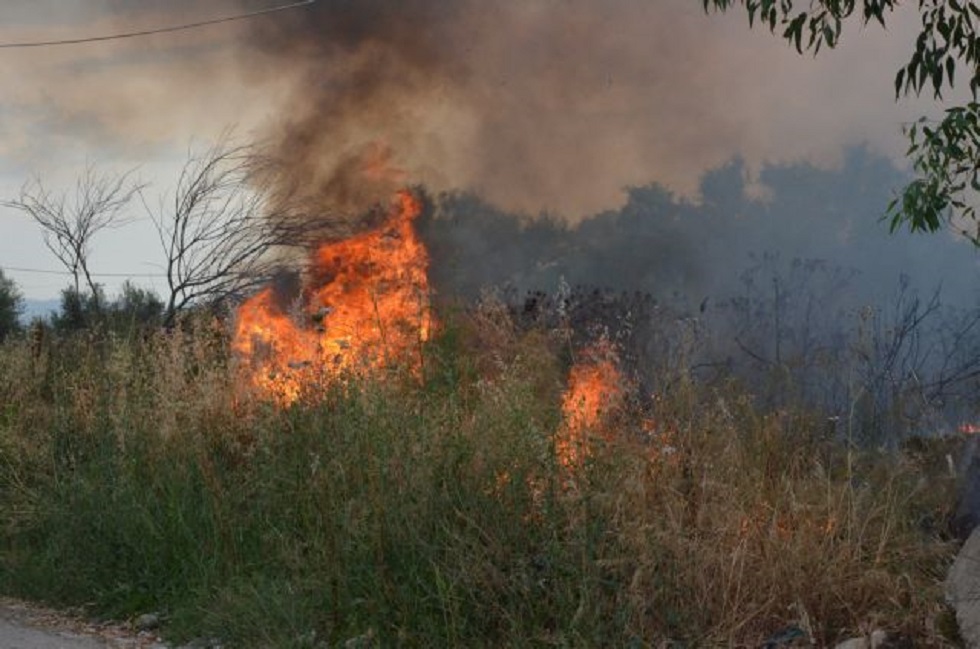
{"x": 134, "y": 34}
{"x": 158, "y": 30}
{"x": 45, "y": 271}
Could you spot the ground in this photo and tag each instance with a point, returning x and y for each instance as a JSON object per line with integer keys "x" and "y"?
{"x": 27, "y": 626}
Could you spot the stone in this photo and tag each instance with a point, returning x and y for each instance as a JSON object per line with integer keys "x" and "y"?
{"x": 966, "y": 515}
{"x": 854, "y": 643}
{"x": 877, "y": 640}
{"x": 791, "y": 636}
{"x": 963, "y": 590}
{"x": 147, "y": 622}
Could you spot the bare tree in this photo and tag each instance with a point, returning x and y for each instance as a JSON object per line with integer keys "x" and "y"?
{"x": 71, "y": 219}
{"x": 222, "y": 226}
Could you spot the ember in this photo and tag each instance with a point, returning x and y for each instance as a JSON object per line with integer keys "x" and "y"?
{"x": 364, "y": 307}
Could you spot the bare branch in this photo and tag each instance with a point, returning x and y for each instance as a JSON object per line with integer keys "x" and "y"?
{"x": 71, "y": 219}
{"x": 221, "y": 230}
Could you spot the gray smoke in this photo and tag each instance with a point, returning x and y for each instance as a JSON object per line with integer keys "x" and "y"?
{"x": 537, "y": 105}
{"x": 549, "y": 105}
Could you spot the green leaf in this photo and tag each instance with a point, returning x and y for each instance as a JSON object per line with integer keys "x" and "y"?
{"x": 944, "y": 155}
{"x": 828, "y": 35}
{"x": 923, "y": 73}
{"x": 794, "y": 31}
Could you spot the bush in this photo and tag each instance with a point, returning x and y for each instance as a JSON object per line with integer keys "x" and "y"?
{"x": 11, "y": 306}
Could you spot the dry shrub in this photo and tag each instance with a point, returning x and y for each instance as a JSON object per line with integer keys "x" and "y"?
{"x": 492, "y": 347}
{"x": 758, "y": 522}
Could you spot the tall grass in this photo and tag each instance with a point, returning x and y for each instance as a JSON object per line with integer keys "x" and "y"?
{"x": 138, "y": 475}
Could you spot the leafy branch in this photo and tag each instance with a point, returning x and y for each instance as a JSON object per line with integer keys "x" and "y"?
{"x": 945, "y": 156}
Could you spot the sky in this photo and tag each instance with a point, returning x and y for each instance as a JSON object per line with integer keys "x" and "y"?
{"x": 538, "y": 105}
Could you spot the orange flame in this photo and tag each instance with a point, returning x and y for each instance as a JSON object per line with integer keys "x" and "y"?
{"x": 595, "y": 387}
{"x": 365, "y": 307}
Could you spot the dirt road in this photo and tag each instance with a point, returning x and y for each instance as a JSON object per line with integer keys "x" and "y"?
{"x": 14, "y": 635}
{"x": 26, "y": 626}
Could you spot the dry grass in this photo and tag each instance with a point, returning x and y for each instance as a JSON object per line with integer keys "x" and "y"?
{"x": 136, "y": 475}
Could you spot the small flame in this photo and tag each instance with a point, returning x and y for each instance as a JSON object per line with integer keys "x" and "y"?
{"x": 365, "y": 307}
{"x": 595, "y": 387}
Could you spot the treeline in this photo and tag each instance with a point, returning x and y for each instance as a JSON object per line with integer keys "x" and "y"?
{"x": 132, "y": 309}
{"x": 785, "y": 280}
{"x": 675, "y": 246}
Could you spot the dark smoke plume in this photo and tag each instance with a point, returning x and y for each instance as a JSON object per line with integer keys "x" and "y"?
{"x": 535, "y": 105}
{"x": 547, "y": 105}
{"x": 369, "y": 70}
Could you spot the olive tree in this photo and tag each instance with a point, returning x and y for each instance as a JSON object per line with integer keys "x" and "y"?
{"x": 11, "y": 307}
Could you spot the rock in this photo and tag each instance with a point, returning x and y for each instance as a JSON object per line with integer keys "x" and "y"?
{"x": 854, "y": 643}
{"x": 963, "y": 590}
{"x": 791, "y": 636}
{"x": 967, "y": 512}
{"x": 147, "y": 622}
{"x": 877, "y": 640}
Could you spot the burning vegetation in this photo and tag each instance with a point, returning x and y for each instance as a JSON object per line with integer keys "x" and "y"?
{"x": 393, "y": 515}
{"x": 595, "y": 388}
{"x": 364, "y": 306}
{"x": 482, "y": 509}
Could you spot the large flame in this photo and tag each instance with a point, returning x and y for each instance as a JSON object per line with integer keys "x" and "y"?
{"x": 595, "y": 388}
{"x": 364, "y": 307}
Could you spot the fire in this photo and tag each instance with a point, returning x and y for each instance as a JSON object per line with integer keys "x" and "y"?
{"x": 364, "y": 307}
{"x": 595, "y": 387}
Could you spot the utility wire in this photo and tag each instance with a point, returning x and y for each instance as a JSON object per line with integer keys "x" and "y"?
{"x": 159, "y": 30}
{"x": 43, "y": 271}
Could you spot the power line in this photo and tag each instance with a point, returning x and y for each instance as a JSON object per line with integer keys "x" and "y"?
{"x": 159, "y": 30}
{"x": 44, "y": 271}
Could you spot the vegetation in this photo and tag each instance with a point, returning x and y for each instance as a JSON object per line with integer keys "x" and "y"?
{"x": 945, "y": 155}
{"x": 139, "y": 474}
{"x": 752, "y": 481}
{"x": 224, "y": 221}
{"x": 796, "y": 294}
{"x": 133, "y": 309}
{"x": 70, "y": 221}
{"x": 11, "y": 305}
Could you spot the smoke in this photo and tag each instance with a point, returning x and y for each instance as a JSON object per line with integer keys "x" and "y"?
{"x": 536, "y": 105}
{"x": 557, "y": 105}
{"x": 375, "y": 105}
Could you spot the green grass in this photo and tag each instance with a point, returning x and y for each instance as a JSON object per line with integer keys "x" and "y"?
{"x": 136, "y": 475}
